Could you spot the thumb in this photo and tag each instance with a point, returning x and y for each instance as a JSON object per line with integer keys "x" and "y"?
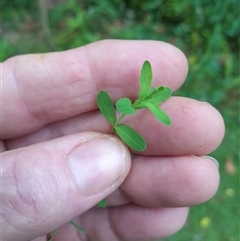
{"x": 48, "y": 184}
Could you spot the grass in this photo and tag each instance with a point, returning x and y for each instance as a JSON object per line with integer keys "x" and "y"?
{"x": 209, "y": 38}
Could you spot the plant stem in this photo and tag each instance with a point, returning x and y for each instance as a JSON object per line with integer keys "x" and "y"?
{"x": 77, "y": 226}
{"x": 53, "y": 235}
{"x": 116, "y": 123}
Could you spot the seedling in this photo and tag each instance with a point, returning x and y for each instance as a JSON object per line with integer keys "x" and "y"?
{"x": 149, "y": 98}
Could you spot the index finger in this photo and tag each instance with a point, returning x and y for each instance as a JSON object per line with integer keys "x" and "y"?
{"x": 43, "y": 88}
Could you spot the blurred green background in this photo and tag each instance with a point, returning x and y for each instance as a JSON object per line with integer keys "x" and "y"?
{"x": 207, "y": 31}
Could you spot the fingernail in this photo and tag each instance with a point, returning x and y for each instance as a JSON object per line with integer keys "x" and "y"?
{"x": 97, "y": 164}
{"x": 214, "y": 160}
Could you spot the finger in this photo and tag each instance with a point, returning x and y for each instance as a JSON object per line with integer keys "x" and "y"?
{"x": 47, "y": 184}
{"x": 168, "y": 182}
{"x": 128, "y": 223}
{"x": 197, "y": 128}
{"x": 42, "y": 88}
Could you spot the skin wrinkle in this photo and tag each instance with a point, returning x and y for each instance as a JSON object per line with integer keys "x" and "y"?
{"x": 16, "y": 185}
{"x": 111, "y": 226}
{"x": 77, "y": 76}
{"x": 94, "y": 84}
{"x": 55, "y": 132}
{"x": 118, "y": 196}
{"x": 104, "y": 217}
{"x": 50, "y": 182}
{"x": 47, "y": 118}
{"x": 57, "y": 191}
{"x": 22, "y": 198}
{"x": 47, "y": 214}
{"x": 7, "y": 224}
{"x": 19, "y": 215}
{"x": 123, "y": 213}
{"x": 12, "y": 66}
{"x": 83, "y": 79}
{"x": 26, "y": 106}
{"x": 35, "y": 197}
{"x": 4, "y": 218}
{"x": 10, "y": 204}
{"x": 28, "y": 200}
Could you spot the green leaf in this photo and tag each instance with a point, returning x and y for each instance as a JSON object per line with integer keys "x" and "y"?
{"x": 106, "y": 106}
{"x": 151, "y": 93}
{"x": 102, "y": 204}
{"x": 130, "y": 137}
{"x": 157, "y": 112}
{"x": 77, "y": 227}
{"x": 162, "y": 94}
{"x": 145, "y": 79}
{"x": 124, "y": 106}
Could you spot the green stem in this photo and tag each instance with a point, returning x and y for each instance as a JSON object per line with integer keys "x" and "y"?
{"x": 116, "y": 123}
{"x": 119, "y": 119}
{"x": 77, "y": 227}
{"x": 137, "y": 104}
{"x": 53, "y": 234}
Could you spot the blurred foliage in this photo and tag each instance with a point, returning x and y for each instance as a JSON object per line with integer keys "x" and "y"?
{"x": 207, "y": 31}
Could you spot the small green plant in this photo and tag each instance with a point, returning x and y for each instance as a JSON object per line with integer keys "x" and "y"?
{"x": 149, "y": 98}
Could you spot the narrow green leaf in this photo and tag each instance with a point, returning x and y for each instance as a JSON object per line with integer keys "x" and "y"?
{"x": 77, "y": 227}
{"x": 157, "y": 112}
{"x": 106, "y": 106}
{"x": 162, "y": 94}
{"x": 124, "y": 106}
{"x": 130, "y": 137}
{"x": 102, "y": 204}
{"x": 145, "y": 79}
{"x": 151, "y": 93}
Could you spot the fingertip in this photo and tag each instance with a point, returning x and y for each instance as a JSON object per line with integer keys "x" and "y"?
{"x": 211, "y": 125}
{"x": 179, "y": 63}
{"x": 206, "y": 180}
{"x": 197, "y": 125}
{"x": 155, "y": 222}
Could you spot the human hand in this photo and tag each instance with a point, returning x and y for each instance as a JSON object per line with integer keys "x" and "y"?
{"x": 57, "y": 164}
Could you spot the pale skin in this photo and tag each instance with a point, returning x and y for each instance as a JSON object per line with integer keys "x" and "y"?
{"x": 49, "y": 109}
